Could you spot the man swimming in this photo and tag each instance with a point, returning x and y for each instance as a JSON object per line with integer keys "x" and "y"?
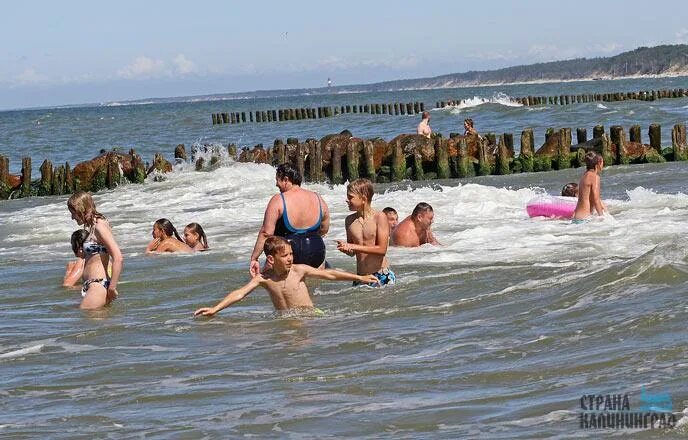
{"x": 415, "y": 230}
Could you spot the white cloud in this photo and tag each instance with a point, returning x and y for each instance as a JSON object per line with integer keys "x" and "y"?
{"x": 30, "y": 77}
{"x": 143, "y": 67}
{"x": 607, "y": 48}
{"x": 682, "y": 36}
{"x": 183, "y": 65}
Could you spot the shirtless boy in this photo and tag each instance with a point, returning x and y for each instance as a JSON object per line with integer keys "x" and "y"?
{"x": 424, "y": 125}
{"x": 589, "y": 189}
{"x": 415, "y": 230}
{"x": 367, "y": 234}
{"x": 392, "y": 217}
{"x": 284, "y": 281}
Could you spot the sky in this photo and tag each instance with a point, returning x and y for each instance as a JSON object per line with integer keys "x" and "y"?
{"x": 76, "y": 52}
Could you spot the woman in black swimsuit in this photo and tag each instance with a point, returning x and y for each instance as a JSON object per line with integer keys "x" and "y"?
{"x": 299, "y": 215}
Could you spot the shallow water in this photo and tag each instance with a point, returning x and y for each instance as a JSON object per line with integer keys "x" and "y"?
{"x": 498, "y": 333}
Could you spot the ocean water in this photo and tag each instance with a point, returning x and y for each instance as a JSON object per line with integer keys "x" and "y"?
{"x": 495, "y": 334}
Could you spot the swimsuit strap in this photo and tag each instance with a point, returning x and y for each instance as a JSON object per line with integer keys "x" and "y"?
{"x": 294, "y": 230}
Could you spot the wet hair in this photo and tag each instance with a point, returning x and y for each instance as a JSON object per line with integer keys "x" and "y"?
{"x": 286, "y": 170}
{"x": 82, "y": 203}
{"x": 592, "y": 159}
{"x": 78, "y": 239}
{"x": 389, "y": 209}
{"x": 469, "y": 121}
{"x": 421, "y": 208}
{"x": 274, "y": 244}
{"x": 425, "y": 115}
{"x": 197, "y": 229}
{"x": 363, "y": 188}
{"x": 570, "y": 190}
{"x": 168, "y": 228}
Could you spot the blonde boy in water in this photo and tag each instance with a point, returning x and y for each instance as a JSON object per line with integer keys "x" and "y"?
{"x": 367, "y": 234}
{"x": 284, "y": 281}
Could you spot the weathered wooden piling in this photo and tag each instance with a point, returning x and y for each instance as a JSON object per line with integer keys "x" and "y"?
{"x": 597, "y": 131}
{"x": 352, "y": 158}
{"x": 45, "y": 186}
{"x": 26, "y": 177}
{"x": 634, "y": 134}
{"x": 527, "y": 150}
{"x": 678, "y": 142}
{"x": 617, "y": 136}
{"x": 442, "y": 157}
{"x": 5, "y": 187}
{"x": 655, "y": 134}
{"x": 369, "y": 160}
{"x": 336, "y": 162}
{"x": 398, "y": 162}
{"x": 563, "y": 159}
{"x": 581, "y": 135}
{"x": 483, "y": 158}
{"x": 503, "y": 157}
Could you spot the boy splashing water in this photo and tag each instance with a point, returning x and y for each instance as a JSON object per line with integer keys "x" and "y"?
{"x": 284, "y": 281}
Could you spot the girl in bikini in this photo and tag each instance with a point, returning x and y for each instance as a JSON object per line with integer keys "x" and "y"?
{"x": 166, "y": 238}
{"x": 97, "y": 246}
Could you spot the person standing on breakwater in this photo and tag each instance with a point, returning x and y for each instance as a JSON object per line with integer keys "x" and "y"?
{"x": 415, "y": 230}
{"x": 367, "y": 234}
{"x": 299, "y": 215}
{"x": 98, "y": 247}
{"x": 589, "y": 189}
{"x": 469, "y": 129}
{"x": 424, "y": 125}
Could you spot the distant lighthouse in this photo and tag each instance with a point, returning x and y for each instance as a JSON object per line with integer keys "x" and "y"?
{"x": 329, "y": 83}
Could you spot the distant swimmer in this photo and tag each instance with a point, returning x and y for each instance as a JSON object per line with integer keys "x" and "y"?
{"x": 166, "y": 238}
{"x": 284, "y": 280}
{"x": 415, "y": 230}
{"x": 589, "y": 189}
{"x": 367, "y": 234}
{"x": 570, "y": 190}
{"x": 424, "y": 125}
{"x": 299, "y": 215}
{"x": 98, "y": 250}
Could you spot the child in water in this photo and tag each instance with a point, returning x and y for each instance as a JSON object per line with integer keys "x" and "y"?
{"x": 570, "y": 190}
{"x": 97, "y": 247}
{"x": 195, "y": 238}
{"x": 589, "y": 189}
{"x": 392, "y": 217}
{"x": 284, "y": 281}
{"x": 166, "y": 238}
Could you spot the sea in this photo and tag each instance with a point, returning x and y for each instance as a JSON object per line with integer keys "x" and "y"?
{"x": 514, "y": 327}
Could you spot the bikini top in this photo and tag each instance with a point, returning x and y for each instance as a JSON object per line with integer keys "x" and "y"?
{"x": 92, "y": 247}
{"x": 284, "y": 228}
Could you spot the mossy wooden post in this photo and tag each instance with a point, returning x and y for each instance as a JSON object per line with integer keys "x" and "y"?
{"x": 655, "y": 133}
{"x": 214, "y": 117}
{"x": 607, "y": 149}
{"x": 232, "y": 151}
{"x": 442, "y": 157}
{"x": 483, "y": 160}
{"x": 114, "y": 175}
{"x": 491, "y": 139}
{"x": 138, "y": 171}
{"x": 563, "y": 159}
{"x": 232, "y": 119}
{"x": 678, "y": 142}
{"x": 398, "y": 163}
{"x": 5, "y": 188}
{"x": 617, "y": 136}
{"x": 301, "y": 153}
{"x": 548, "y": 133}
{"x": 352, "y": 159}
{"x": 59, "y": 181}
{"x": 634, "y": 134}
{"x": 336, "y": 161}
{"x": 46, "y": 183}
{"x": 180, "y": 152}
{"x": 503, "y": 157}
{"x": 597, "y": 131}
{"x": 314, "y": 160}
{"x": 527, "y": 150}
{"x": 418, "y": 173}
{"x": 369, "y": 160}
{"x": 280, "y": 152}
{"x": 464, "y": 160}
{"x": 69, "y": 179}
{"x": 581, "y": 135}
{"x": 26, "y": 177}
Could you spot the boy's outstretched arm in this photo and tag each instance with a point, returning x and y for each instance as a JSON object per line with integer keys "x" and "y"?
{"x": 337, "y": 275}
{"x": 231, "y": 298}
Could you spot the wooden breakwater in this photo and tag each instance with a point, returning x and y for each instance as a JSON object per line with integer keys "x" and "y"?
{"x": 340, "y": 157}
{"x": 297, "y": 114}
{"x": 643, "y": 95}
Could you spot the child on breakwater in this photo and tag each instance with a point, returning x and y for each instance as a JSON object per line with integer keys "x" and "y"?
{"x": 589, "y": 189}
{"x": 195, "y": 238}
{"x": 166, "y": 238}
{"x": 284, "y": 280}
{"x": 367, "y": 234}
{"x": 98, "y": 248}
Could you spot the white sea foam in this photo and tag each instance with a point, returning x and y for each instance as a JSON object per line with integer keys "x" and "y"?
{"x": 497, "y": 98}
{"x": 22, "y": 352}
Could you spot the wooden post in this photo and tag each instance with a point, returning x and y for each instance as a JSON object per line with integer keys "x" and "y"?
{"x": 465, "y": 161}
{"x": 46, "y": 184}
{"x": 527, "y": 150}
{"x": 563, "y": 160}
{"x": 581, "y": 135}
{"x": 398, "y": 162}
{"x": 369, "y": 158}
{"x": 502, "y": 158}
{"x": 26, "y": 177}
{"x": 597, "y": 131}
{"x": 483, "y": 160}
{"x": 634, "y": 134}
{"x": 280, "y": 152}
{"x": 678, "y": 142}
{"x": 59, "y": 180}
{"x": 232, "y": 119}
{"x": 607, "y": 149}
{"x": 618, "y": 137}
{"x": 442, "y": 157}
{"x": 69, "y": 179}
{"x": 301, "y": 153}
{"x": 4, "y": 170}
{"x": 180, "y": 153}
{"x": 336, "y": 162}
{"x": 655, "y": 133}
{"x": 352, "y": 159}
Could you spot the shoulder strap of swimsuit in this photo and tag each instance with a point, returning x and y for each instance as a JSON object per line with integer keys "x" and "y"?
{"x": 285, "y": 217}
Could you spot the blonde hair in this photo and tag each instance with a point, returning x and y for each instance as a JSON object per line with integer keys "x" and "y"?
{"x": 82, "y": 203}
{"x": 363, "y": 188}
{"x": 274, "y": 244}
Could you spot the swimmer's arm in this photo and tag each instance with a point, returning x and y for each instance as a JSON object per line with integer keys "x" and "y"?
{"x": 345, "y": 247}
{"x": 599, "y": 206}
{"x": 432, "y": 239}
{"x": 153, "y": 245}
{"x": 108, "y": 240}
{"x": 337, "y": 275}
{"x": 75, "y": 270}
{"x": 231, "y": 298}
{"x": 325, "y": 222}
{"x": 272, "y": 213}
